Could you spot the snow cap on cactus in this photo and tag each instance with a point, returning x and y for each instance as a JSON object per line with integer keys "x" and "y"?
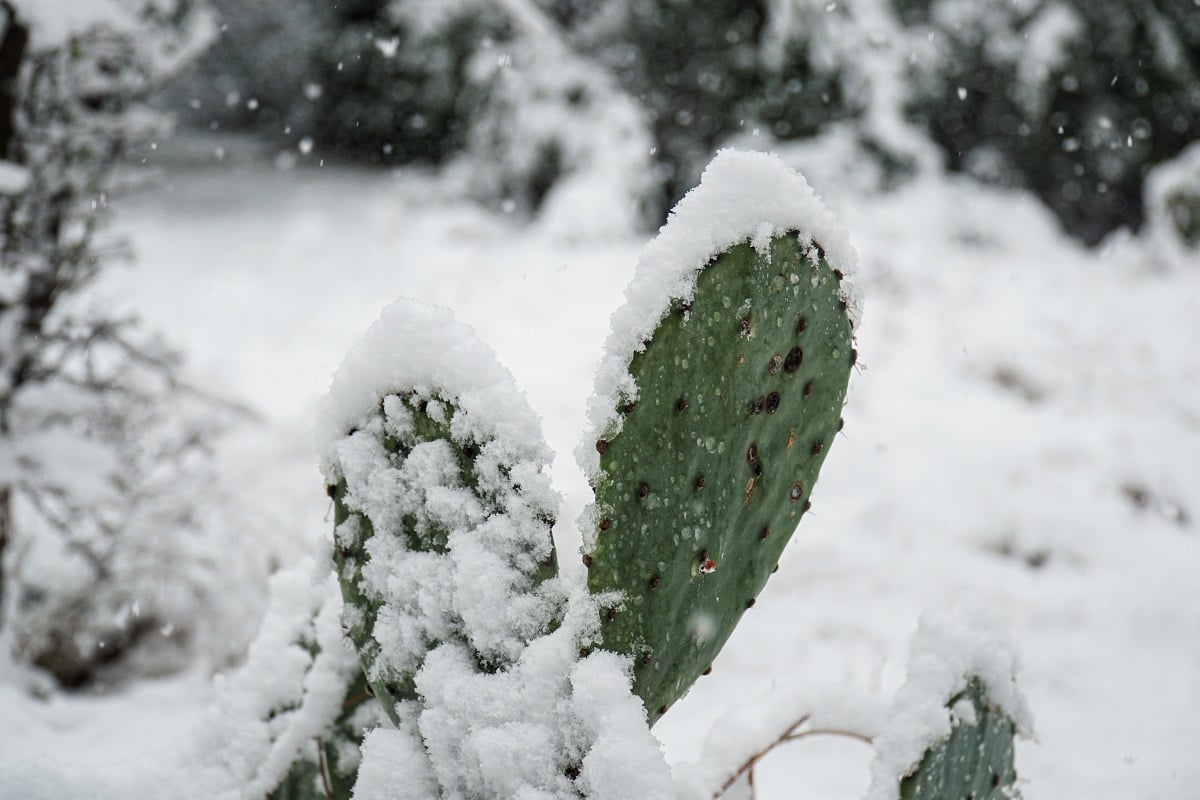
{"x": 951, "y": 652}
{"x": 417, "y": 346}
{"x": 742, "y": 196}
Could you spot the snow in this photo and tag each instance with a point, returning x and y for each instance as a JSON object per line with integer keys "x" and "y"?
{"x": 14, "y": 179}
{"x": 273, "y": 707}
{"x": 53, "y": 22}
{"x": 416, "y": 347}
{"x": 742, "y": 196}
{"x": 949, "y": 649}
{"x": 1022, "y": 437}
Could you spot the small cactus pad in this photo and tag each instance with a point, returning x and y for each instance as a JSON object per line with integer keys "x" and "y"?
{"x": 327, "y": 778}
{"x": 739, "y": 398}
{"x": 415, "y": 501}
{"x": 974, "y": 761}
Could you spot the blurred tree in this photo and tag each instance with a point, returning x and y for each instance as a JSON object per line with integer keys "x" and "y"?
{"x": 101, "y": 461}
{"x": 1073, "y": 99}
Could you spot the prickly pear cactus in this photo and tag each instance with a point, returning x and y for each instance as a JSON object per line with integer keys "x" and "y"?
{"x": 975, "y": 760}
{"x": 444, "y": 482}
{"x": 331, "y": 775}
{"x": 711, "y": 457}
{"x": 442, "y": 510}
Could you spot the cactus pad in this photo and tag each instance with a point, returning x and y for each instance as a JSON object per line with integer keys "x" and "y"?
{"x": 739, "y": 398}
{"x": 975, "y": 760}
{"x": 396, "y": 551}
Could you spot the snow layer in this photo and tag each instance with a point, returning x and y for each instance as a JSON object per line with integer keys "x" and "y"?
{"x": 289, "y": 692}
{"x": 415, "y": 347}
{"x": 52, "y": 22}
{"x": 948, "y": 650}
{"x": 742, "y": 196}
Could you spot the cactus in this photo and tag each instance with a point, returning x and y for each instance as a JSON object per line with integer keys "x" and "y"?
{"x": 420, "y": 426}
{"x": 332, "y": 773}
{"x": 975, "y": 760}
{"x": 950, "y": 731}
{"x": 716, "y": 406}
{"x": 738, "y": 398}
{"x": 438, "y": 500}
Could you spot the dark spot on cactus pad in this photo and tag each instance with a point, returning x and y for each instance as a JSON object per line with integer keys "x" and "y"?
{"x": 752, "y": 454}
{"x": 801, "y": 325}
{"x": 605, "y": 524}
{"x": 853, "y": 357}
{"x": 370, "y": 691}
{"x": 807, "y": 506}
{"x": 681, "y": 405}
{"x": 817, "y": 448}
{"x": 654, "y": 582}
{"x": 841, "y": 423}
{"x": 630, "y": 407}
{"x": 685, "y": 308}
{"x": 330, "y": 489}
{"x": 775, "y": 364}
{"x": 772, "y": 402}
{"x": 587, "y": 561}
{"x": 612, "y": 614}
{"x": 756, "y": 405}
{"x": 662, "y": 710}
{"x": 995, "y": 780}
{"x": 572, "y": 772}
{"x": 699, "y": 482}
{"x": 775, "y": 569}
{"x": 707, "y": 671}
{"x": 643, "y": 490}
{"x": 584, "y": 652}
{"x": 762, "y": 536}
{"x": 647, "y": 657}
{"x": 601, "y": 446}
{"x": 837, "y": 273}
{"x": 843, "y": 306}
{"x": 423, "y": 406}
{"x": 794, "y": 358}
{"x": 470, "y": 451}
{"x": 796, "y": 492}
{"x": 808, "y": 389}
{"x": 750, "y": 603}
{"x": 744, "y": 326}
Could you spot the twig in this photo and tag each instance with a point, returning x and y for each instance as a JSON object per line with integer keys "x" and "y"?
{"x": 789, "y": 735}
{"x": 322, "y": 768}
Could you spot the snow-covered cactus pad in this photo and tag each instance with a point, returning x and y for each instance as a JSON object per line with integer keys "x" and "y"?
{"x": 719, "y": 399}
{"x": 443, "y": 511}
{"x": 951, "y": 728}
{"x": 975, "y": 760}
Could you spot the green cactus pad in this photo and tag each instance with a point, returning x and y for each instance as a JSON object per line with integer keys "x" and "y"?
{"x": 974, "y": 761}
{"x": 739, "y": 398}
{"x": 329, "y": 779}
{"x": 406, "y": 424}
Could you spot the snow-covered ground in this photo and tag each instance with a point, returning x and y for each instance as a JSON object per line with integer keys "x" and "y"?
{"x": 1023, "y": 435}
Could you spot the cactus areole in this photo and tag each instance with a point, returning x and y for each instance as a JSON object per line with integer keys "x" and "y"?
{"x": 708, "y": 459}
